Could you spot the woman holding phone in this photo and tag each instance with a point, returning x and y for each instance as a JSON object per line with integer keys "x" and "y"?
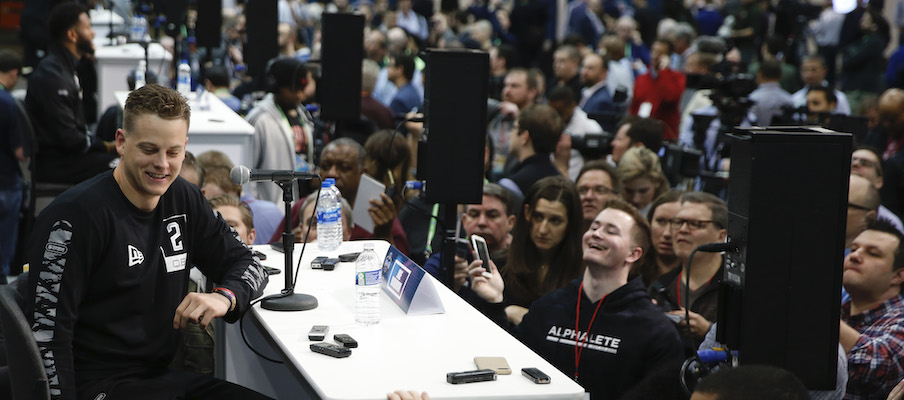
{"x": 546, "y": 245}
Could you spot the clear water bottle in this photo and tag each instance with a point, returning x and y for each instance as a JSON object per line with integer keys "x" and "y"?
{"x": 135, "y": 32}
{"x": 183, "y": 79}
{"x": 368, "y": 279}
{"x": 329, "y": 219}
{"x": 140, "y": 74}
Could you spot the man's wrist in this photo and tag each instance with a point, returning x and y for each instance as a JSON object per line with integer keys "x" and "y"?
{"x": 229, "y": 295}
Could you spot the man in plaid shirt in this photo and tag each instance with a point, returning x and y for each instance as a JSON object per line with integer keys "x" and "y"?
{"x": 872, "y": 332}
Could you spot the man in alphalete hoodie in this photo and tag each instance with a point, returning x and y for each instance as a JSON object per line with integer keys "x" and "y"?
{"x": 621, "y": 336}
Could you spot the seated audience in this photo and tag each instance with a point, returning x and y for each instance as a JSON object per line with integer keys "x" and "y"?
{"x": 597, "y": 183}
{"x": 546, "y": 250}
{"x": 627, "y": 337}
{"x": 663, "y": 259}
{"x": 871, "y": 329}
{"x": 534, "y": 138}
{"x": 642, "y": 177}
{"x": 701, "y": 219}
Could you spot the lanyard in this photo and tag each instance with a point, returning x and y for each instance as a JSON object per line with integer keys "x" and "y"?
{"x": 578, "y": 342}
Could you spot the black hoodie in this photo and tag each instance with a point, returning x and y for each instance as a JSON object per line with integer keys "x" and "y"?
{"x": 630, "y": 337}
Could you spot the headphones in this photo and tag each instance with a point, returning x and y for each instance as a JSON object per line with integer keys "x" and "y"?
{"x": 271, "y": 80}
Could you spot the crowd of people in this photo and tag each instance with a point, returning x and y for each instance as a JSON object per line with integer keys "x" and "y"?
{"x": 589, "y": 247}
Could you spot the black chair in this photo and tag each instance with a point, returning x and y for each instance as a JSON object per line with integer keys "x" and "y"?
{"x": 26, "y": 369}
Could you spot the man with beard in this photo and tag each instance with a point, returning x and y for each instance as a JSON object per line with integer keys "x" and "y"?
{"x": 67, "y": 153}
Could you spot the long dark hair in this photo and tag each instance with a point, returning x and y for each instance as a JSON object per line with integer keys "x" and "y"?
{"x": 523, "y": 263}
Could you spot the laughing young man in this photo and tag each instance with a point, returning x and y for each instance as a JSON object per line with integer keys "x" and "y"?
{"x": 621, "y": 336}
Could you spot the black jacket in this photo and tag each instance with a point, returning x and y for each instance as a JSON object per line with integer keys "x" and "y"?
{"x": 630, "y": 337}
{"x": 54, "y": 102}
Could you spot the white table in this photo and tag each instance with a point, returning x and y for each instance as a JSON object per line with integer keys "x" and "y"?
{"x": 218, "y": 128}
{"x": 100, "y": 22}
{"x": 115, "y": 62}
{"x": 401, "y": 352}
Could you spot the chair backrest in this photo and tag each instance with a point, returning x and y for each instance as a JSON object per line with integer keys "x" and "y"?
{"x": 29, "y": 137}
{"x": 26, "y": 369}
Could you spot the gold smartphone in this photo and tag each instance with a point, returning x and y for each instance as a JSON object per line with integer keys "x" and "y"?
{"x": 497, "y": 364}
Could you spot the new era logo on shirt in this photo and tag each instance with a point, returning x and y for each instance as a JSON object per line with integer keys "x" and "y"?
{"x": 136, "y": 257}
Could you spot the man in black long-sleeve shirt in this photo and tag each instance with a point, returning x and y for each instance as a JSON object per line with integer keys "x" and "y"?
{"x": 67, "y": 152}
{"x": 108, "y": 291}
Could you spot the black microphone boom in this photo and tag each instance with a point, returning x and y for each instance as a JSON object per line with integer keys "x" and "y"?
{"x": 241, "y": 175}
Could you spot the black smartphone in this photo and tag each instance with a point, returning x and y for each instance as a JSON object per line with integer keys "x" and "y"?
{"x": 278, "y": 246}
{"x": 349, "y": 257}
{"x": 330, "y": 349}
{"x": 330, "y": 264}
{"x": 661, "y": 295}
{"x": 271, "y": 270}
{"x": 317, "y": 262}
{"x": 535, "y": 375}
{"x": 345, "y": 340}
{"x": 479, "y": 375}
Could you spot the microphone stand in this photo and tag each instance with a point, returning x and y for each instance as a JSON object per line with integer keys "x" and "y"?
{"x": 288, "y": 300}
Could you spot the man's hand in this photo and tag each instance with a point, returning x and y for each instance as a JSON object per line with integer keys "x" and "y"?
{"x": 699, "y": 324}
{"x": 509, "y": 110}
{"x": 20, "y": 154}
{"x": 461, "y": 272}
{"x": 200, "y": 308}
{"x": 515, "y": 314}
{"x": 382, "y": 211}
{"x": 897, "y": 393}
{"x": 488, "y": 289}
{"x": 407, "y": 395}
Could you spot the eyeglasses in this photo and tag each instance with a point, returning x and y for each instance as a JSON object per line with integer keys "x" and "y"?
{"x": 600, "y": 190}
{"x": 693, "y": 225}
{"x": 859, "y": 207}
{"x": 864, "y": 162}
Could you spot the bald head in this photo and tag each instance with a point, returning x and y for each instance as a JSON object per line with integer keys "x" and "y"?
{"x": 891, "y": 111}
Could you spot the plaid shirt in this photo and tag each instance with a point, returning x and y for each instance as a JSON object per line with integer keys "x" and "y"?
{"x": 876, "y": 362}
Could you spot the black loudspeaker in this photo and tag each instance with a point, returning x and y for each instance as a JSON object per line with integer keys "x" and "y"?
{"x": 781, "y": 296}
{"x": 260, "y": 23}
{"x": 456, "y": 121}
{"x": 209, "y": 23}
{"x": 339, "y": 88}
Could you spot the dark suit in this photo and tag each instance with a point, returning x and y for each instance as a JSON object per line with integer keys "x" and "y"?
{"x": 600, "y": 102}
{"x": 893, "y": 171}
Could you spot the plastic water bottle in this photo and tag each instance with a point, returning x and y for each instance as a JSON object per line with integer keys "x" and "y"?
{"x": 139, "y": 74}
{"x": 183, "y": 79}
{"x": 329, "y": 219}
{"x": 368, "y": 279}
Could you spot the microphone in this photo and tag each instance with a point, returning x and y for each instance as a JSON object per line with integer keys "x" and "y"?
{"x": 241, "y": 175}
{"x": 717, "y": 247}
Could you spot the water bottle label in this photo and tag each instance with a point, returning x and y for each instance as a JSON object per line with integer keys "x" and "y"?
{"x": 369, "y": 278}
{"x": 324, "y": 217}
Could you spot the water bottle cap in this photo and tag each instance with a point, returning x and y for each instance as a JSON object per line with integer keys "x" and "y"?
{"x": 368, "y": 246}
{"x": 331, "y": 181}
{"x": 325, "y": 184}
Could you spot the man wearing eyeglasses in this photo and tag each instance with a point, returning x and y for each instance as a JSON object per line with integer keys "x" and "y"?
{"x": 701, "y": 219}
{"x": 865, "y": 162}
{"x": 597, "y": 183}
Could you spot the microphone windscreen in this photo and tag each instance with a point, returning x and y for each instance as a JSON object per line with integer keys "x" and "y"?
{"x": 240, "y": 175}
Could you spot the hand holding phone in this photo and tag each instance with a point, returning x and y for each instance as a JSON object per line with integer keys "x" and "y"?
{"x": 482, "y": 252}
